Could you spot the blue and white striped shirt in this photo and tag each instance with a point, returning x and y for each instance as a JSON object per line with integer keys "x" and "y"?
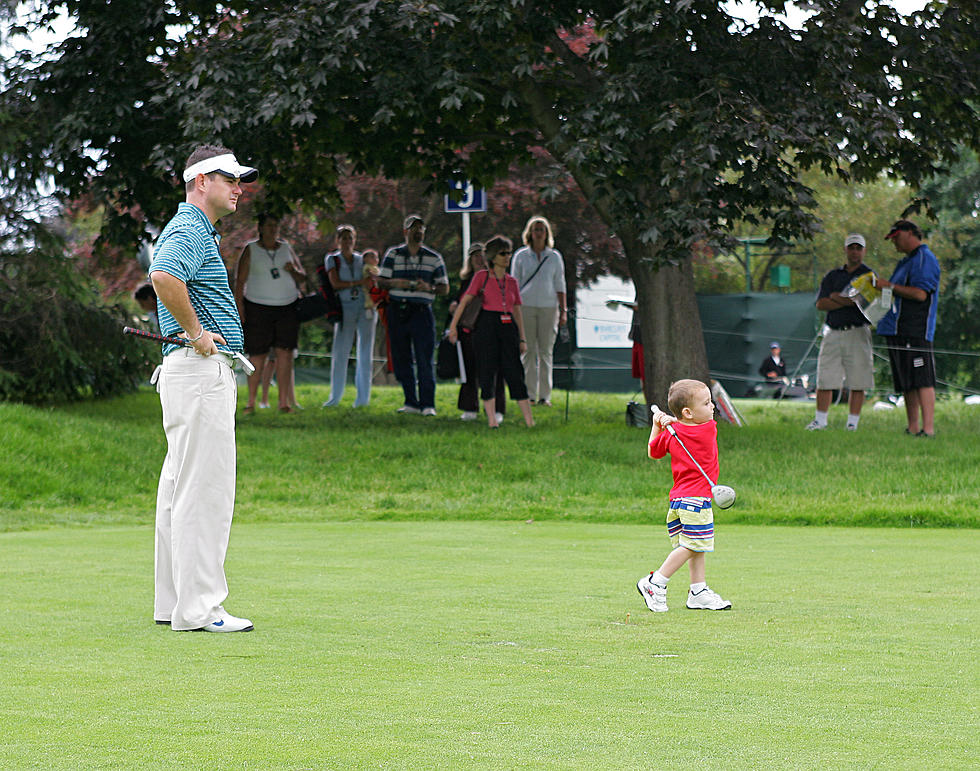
{"x": 188, "y": 249}
{"x": 427, "y": 265}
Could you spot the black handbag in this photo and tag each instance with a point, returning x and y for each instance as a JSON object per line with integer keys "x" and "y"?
{"x": 467, "y": 319}
{"x": 323, "y": 302}
{"x": 310, "y": 307}
{"x": 637, "y": 415}
{"x": 447, "y": 360}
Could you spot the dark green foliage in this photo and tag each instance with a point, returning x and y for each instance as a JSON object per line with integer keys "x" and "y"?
{"x": 59, "y": 341}
{"x": 675, "y": 119}
{"x": 955, "y": 199}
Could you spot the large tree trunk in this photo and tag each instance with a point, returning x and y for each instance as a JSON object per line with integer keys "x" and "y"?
{"x": 673, "y": 344}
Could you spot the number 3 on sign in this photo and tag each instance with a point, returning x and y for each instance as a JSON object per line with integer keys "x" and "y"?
{"x": 466, "y": 198}
{"x": 466, "y": 201}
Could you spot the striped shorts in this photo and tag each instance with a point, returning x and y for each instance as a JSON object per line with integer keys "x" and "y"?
{"x": 691, "y": 524}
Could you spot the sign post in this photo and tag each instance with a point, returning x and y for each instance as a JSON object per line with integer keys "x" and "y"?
{"x": 466, "y": 199}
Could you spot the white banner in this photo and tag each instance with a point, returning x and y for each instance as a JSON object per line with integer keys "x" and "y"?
{"x": 597, "y": 325}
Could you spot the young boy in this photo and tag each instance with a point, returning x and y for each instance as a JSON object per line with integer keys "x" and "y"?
{"x": 690, "y": 524}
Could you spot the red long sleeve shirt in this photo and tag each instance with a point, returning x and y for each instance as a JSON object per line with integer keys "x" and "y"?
{"x": 702, "y": 441}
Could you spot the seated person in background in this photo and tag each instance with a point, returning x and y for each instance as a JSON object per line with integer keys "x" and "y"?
{"x": 773, "y": 367}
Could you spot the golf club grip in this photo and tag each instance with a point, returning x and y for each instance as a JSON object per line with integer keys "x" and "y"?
{"x": 154, "y": 336}
{"x": 654, "y": 409}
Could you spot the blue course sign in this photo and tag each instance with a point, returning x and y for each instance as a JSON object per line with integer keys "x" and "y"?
{"x": 466, "y": 199}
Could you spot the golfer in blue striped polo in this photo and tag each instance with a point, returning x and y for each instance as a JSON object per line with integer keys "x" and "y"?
{"x": 198, "y": 393}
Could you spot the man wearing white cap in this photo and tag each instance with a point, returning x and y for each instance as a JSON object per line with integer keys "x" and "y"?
{"x": 845, "y": 358}
{"x": 413, "y": 274}
{"x": 198, "y": 392}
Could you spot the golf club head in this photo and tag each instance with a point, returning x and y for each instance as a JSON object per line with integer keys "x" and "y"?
{"x": 723, "y": 496}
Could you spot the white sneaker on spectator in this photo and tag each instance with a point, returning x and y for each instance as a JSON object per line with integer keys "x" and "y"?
{"x": 707, "y": 600}
{"x": 500, "y": 417}
{"x": 468, "y": 416}
{"x": 429, "y": 411}
{"x": 407, "y": 410}
{"x": 814, "y": 425}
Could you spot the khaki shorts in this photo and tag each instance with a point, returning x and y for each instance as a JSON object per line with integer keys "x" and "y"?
{"x": 845, "y": 359}
{"x": 691, "y": 524}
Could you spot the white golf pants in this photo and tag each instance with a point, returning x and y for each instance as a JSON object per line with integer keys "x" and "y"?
{"x": 196, "y": 496}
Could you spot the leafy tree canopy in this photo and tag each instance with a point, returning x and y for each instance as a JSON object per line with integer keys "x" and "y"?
{"x": 956, "y": 200}
{"x": 676, "y": 119}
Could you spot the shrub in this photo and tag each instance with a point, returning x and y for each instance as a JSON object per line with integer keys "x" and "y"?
{"x": 59, "y": 340}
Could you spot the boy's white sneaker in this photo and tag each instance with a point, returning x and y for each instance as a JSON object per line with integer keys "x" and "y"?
{"x": 815, "y": 425}
{"x": 707, "y": 600}
{"x": 653, "y": 595}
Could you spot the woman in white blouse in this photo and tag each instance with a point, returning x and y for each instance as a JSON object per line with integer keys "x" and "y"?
{"x": 540, "y": 273}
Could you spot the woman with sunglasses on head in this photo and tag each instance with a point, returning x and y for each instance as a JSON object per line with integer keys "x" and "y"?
{"x": 499, "y": 333}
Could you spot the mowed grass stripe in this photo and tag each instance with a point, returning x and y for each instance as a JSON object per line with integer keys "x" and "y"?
{"x": 496, "y": 645}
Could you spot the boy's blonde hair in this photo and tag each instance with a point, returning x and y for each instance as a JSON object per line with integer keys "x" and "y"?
{"x": 681, "y": 395}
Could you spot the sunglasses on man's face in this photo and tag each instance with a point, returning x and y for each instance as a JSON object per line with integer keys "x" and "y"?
{"x": 506, "y": 253}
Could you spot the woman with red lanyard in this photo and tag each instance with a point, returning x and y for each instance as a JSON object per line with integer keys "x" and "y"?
{"x": 499, "y": 334}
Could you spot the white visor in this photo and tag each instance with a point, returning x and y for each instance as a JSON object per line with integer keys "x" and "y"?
{"x": 226, "y": 164}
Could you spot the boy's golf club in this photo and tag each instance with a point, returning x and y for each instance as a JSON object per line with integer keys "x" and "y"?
{"x": 723, "y": 495}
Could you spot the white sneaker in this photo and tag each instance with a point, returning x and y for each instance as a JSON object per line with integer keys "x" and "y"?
{"x": 500, "y": 417}
{"x": 227, "y": 623}
{"x": 653, "y": 595}
{"x": 815, "y": 426}
{"x": 429, "y": 411}
{"x": 407, "y": 410}
{"x": 468, "y": 416}
{"x": 707, "y": 600}
{"x": 851, "y": 428}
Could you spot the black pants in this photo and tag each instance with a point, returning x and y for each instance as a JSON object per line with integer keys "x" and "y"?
{"x": 498, "y": 350}
{"x": 469, "y": 390}
{"x": 412, "y": 334}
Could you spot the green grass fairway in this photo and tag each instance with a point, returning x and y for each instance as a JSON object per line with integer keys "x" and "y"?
{"x": 495, "y": 645}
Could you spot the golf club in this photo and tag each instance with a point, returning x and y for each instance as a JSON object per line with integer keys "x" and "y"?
{"x": 246, "y": 364}
{"x": 723, "y": 495}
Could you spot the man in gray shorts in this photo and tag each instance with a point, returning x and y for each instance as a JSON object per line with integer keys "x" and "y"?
{"x": 845, "y": 358}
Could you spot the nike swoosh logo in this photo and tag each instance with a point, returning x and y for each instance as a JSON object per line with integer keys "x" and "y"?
{"x": 218, "y": 623}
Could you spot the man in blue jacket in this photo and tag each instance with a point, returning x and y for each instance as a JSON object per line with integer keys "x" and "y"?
{"x": 910, "y": 325}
